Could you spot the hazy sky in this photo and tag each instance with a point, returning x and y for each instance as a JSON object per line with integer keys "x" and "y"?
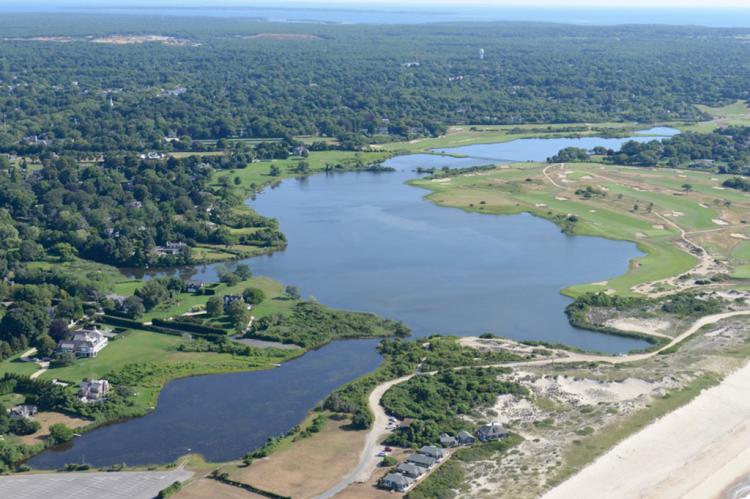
{"x": 557, "y": 3}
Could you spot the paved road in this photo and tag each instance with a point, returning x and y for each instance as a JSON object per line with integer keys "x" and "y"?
{"x": 116, "y": 485}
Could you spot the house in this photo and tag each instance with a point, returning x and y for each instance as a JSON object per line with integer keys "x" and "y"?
{"x": 421, "y": 460}
{"x": 170, "y": 249}
{"x": 410, "y": 470}
{"x": 229, "y": 299}
{"x": 431, "y": 451}
{"x": 84, "y": 343}
{"x": 396, "y": 481}
{"x": 491, "y": 432}
{"x": 300, "y": 151}
{"x": 465, "y": 438}
{"x": 24, "y": 411}
{"x": 447, "y": 441}
{"x": 194, "y": 287}
{"x": 94, "y": 390}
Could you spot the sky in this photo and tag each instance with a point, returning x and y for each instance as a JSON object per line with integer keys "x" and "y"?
{"x": 706, "y": 4}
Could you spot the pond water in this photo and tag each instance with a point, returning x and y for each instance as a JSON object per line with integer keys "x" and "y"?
{"x": 222, "y": 416}
{"x": 370, "y": 242}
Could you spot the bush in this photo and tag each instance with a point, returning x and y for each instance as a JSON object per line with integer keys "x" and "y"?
{"x": 59, "y": 433}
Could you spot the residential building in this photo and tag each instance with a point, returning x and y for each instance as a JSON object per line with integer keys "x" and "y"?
{"x": 229, "y": 299}
{"x": 491, "y": 432}
{"x": 23, "y": 411}
{"x": 94, "y": 390}
{"x": 396, "y": 481}
{"x": 421, "y": 460}
{"x": 465, "y": 438}
{"x": 84, "y": 343}
{"x": 434, "y": 452}
{"x": 447, "y": 441}
{"x": 410, "y": 470}
{"x": 170, "y": 249}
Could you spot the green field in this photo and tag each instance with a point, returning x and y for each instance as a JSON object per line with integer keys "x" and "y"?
{"x": 464, "y": 135}
{"x": 631, "y": 204}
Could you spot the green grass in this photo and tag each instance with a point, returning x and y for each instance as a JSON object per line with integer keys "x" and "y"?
{"x": 259, "y": 173}
{"x": 462, "y": 135}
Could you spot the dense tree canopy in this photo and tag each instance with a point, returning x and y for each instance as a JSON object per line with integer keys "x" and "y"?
{"x": 220, "y": 80}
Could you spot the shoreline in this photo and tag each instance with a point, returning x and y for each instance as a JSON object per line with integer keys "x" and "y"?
{"x": 699, "y": 450}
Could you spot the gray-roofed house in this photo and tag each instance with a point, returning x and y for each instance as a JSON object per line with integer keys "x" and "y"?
{"x": 421, "y": 460}
{"x": 434, "y": 452}
{"x": 447, "y": 441}
{"x": 491, "y": 432}
{"x": 23, "y": 411}
{"x": 465, "y": 438}
{"x": 84, "y": 343}
{"x": 410, "y": 470}
{"x": 396, "y": 481}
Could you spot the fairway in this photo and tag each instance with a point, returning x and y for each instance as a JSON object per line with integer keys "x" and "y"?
{"x": 651, "y": 207}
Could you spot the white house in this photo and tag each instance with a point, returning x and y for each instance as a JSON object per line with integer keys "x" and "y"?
{"x": 84, "y": 343}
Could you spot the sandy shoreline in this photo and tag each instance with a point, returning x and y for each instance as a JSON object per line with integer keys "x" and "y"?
{"x": 698, "y": 451}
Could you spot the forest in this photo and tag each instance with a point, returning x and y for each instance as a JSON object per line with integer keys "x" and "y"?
{"x": 61, "y": 88}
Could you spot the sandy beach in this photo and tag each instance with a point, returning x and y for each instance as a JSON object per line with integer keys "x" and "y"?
{"x": 697, "y": 451}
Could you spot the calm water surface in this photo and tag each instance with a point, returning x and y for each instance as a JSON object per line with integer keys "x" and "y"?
{"x": 369, "y": 241}
{"x": 222, "y": 416}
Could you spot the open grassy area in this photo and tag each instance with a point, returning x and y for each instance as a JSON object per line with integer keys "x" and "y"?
{"x": 736, "y": 113}
{"x": 464, "y": 135}
{"x": 309, "y": 466}
{"x": 257, "y": 175}
{"x": 642, "y": 205}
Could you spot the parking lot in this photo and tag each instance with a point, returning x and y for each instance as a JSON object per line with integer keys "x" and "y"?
{"x": 100, "y": 485}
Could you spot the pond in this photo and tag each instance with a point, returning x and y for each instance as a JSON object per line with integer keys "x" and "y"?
{"x": 370, "y": 242}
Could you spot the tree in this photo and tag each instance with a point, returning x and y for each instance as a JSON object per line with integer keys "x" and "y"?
{"x": 153, "y": 293}
{"x": 23, "y": 426}
{"x": 275, "y": 171}
{"x": 215, "y": 306}
{"x": 243, "y": 271}
{"x": 687, "y": 187}
{"x": 362, "y": 419}
{"x": 70, "y": 308}
{"x": 292, "y": 292}
{"x": 65, "y": 251}
{"x": 24, "y": 319}
{"x": 238, "y": 315}
{"x": 59, "y": 433}
{"x": 253, "y": 296}
{"x": 134, "y": 307}
{"x": 58, "y": 329}
{"x": 63, "y": 359}
{"x": 45, "y": 346}
{"x": 230, "y": 279}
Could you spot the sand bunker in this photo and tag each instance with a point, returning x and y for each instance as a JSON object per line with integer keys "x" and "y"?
{"x": 738, "y": 236}
{"x": 719, "y": 221}
{"x": 440, "y": 180}
{"x": 658, "y": 226}
{"x": 561, "y": 198}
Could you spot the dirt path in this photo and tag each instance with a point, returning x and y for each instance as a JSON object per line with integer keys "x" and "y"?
{"x": 548, "y": 177}
{"x": 368, "y": 459}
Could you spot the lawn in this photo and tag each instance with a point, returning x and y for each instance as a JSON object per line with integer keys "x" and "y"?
{"x": 523, "y": 188}
{"x": 464, "y": 135}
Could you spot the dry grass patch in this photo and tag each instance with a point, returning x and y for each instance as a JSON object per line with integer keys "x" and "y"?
{"x": 208, "y": 488}
{"x": 47, "y": 419}
{"x": 310, "y": 466}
